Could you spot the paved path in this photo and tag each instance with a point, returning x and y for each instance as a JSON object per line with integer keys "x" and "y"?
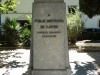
{"x": 84, "y": 63}
{"x": 15, "y": 62}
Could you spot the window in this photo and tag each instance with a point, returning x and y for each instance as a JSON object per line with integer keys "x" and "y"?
{"x": 0, "y": 23}
{"x": 71, "y": 9}
{"x": 22, "y": 22}
{"x": 99, "y": 23}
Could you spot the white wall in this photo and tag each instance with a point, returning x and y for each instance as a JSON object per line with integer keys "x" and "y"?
{"x": 89, "y": 22}
{"x": 17, "y": 16}
{"x": 24, "y": 6}
{"x": 71, "y": 2}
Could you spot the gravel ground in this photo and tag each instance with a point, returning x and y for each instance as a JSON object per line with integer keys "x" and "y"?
{"x": 15, "y": 62}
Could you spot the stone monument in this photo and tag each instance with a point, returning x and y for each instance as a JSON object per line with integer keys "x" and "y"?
{"x": 49, "y": 46}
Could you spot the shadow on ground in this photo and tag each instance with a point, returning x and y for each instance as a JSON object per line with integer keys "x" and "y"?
{"x": 26, "y": 73}
{"x": 11, "y": 59}
{"x": 96, "y": 55}
{"x": 84, "y": 68}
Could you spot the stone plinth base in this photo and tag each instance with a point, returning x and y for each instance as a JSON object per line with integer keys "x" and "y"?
{"x": 52, "y": 72}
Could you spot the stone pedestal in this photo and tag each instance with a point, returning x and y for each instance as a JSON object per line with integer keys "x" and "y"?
{"x": 49, "y": 47}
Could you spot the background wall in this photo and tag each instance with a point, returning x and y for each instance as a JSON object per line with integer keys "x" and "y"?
{"x": 24, "y": 7}
{"x": 89, "y": 22}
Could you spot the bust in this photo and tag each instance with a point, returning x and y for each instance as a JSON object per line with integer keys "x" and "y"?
{"x": 49, "y": 1}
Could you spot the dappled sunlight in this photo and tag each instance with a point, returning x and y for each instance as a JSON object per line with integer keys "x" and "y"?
{"x": 81, "y": 57}
{"x": 96, "y": 56}
{"x": 13, "y": 61}
{"x": 81, "y": 68}
{"x": 82, "y": 63}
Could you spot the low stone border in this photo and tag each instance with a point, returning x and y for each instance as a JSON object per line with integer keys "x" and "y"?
{"x": 86, "y": 43}
{"x": 14, "y": 48}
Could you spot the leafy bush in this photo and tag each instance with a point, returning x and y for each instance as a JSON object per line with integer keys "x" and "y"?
{"x": 11, "y": 30}
{"x": 25, "y": 33}
{"x": 14, "y": 34}
{"x": 74, "y": 27}
{"x": 29, "y": 18}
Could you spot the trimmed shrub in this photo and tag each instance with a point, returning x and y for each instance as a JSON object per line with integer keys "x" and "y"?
{"x": 74, "y": 27}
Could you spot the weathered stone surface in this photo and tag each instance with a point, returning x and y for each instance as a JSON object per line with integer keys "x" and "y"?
{"x": 49, "y": 36}
{"x": 51, "y": 72}
{"x": 49, "y": 1}
{"x": 49, "y": 46}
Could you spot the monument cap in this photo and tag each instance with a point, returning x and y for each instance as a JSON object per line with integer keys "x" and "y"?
{"x": 50, "y": 1}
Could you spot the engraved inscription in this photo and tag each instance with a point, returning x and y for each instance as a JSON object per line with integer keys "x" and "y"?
{"x": 48, "y": 20}
{"x": 47, "y": 28}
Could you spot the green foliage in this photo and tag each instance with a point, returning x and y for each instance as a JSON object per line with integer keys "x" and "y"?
{"x": 90, "y": 7}
{"x": 11, "y": 31}
{"x": 26, "y": 32}
{"x": 15, "y": 34}
{"x": 29, "y": 18}
{"x": 25, "y": 36}
{"x": 74, "y": 27}
{"x": 8, "y": 5}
